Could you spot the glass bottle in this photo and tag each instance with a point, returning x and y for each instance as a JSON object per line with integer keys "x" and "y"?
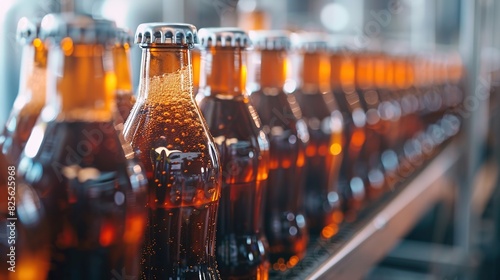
{"x": 180, "y": 157}
{"x": 244, "y": 153}
{"x": 81, "y": 182}
{"x": 125, "y": 98}
{"x": 284, "y": 223}
{"x": 351, "y": 180}
{"x": 27, "y": 107}
{"x": 325, "y": 124}
{"x": 375, "y": 125}
{"x": 31, "y": 97}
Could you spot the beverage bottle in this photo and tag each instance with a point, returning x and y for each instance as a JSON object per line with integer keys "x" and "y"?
{"x": 325, "y": 124}
{"x": 244, "y": 153}
{"x": 125, "y": 98}
{"x": 375, "y": 125}
{"x": 180, "y": 157}
{"x": 31, "y": 96}
{"x": 79, "y": 182}
{"x": 284, "y": 223}
{"x": 27, "y": 107}
{"x": 351, "y": 179}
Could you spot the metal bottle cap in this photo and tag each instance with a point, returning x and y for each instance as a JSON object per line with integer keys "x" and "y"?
{"x": 123, "y": 36}
{"x": 27, "y": 30}
{"x": 309, "y": 42}
{"x": 223, "y": 37}
{"x": 166, "y": 34}
{"x": 270, "y": 39}
{"x": 80, "y": 28}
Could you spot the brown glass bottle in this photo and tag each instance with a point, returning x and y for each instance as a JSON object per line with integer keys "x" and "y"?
{"x": 180, "y": 157}
{"x": 80, "y": 183}
{"x": 31, "y": 97}
{"x": 284, "y": 222}
{"x": 27, "y": 106}
{"x": 351, "y": 183}
{"x": 125, "y": 98}
{"x": 375, "y": 132}
{"x": 325, "y": 123}
{"x": 244, "y": 152}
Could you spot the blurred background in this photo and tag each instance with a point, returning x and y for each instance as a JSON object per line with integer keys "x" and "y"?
{"x": 459, "y": 237}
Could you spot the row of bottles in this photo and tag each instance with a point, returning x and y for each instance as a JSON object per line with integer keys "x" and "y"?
{"x": 231, "y": 156}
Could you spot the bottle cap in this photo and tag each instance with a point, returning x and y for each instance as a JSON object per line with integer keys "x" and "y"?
{"x": 223, "y": 37}
{"x": 79, "y": 27}
{"x": 309, "y": 41}
{"x": 123, "y": 36}
{"x": 27, "y": 30}
{"x": 166, "y": 34}
{"x": 270, "y": 39}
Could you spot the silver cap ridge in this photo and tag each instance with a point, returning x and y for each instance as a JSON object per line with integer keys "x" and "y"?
{"x": 123, "y": 36}
{"x": 167, "y": 34}
{"x": 27, "y": 30}
{"x": 309, "y": 42}
{"x": 80, "y": 28}
{"x": 270, "y": 39}
{"x": 223, "y": 37}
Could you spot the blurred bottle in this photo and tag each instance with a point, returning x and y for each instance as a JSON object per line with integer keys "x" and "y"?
{"x": 351, "y": 179}
{"x": 252, "y": 15}
{"x": 325, "y": 123}
{"x": 31, "y": 97}
{"x": 29, "y": 102}
{"x": 91, "y": 189}
{"x": 125, "y": 98}
{"x": 375, "y": 125}
{"x": 285, "y": 224}
{"x": 244, "y": 152}
{"x": 181, "y": 160}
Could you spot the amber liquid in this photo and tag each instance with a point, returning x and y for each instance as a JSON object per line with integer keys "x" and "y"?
{"x": 92, "y": 201}
{"x": 241, "y": 246}
{"x": 124, "y": 103}
{"x": 324, "y": 155}
{"x": 183, "y": 174}
{"x": 284, "y": 222}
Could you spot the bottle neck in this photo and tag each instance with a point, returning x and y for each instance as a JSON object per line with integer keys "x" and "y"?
{"x": 32, "y": 80}
{"x": 273, "y": 68}
{"x": 364, "y": 72}
{"x": 400, "y": 74}
{"x": 81, "y": 83}
{"x": 121, "y": 61}
{"x": 223, "y": 72}
{"x": 165, "y": 72}
{"x": 315, "y": 72}
{"x": 342, "y": 72}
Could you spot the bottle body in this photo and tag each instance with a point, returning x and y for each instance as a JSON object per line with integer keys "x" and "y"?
{"x": 182, "y": 166}
{"x": 244, "y": 154}
{"x": 92, "y": 210}
{"x": 284, "y": 223}
{"x": 324, "y": 156}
